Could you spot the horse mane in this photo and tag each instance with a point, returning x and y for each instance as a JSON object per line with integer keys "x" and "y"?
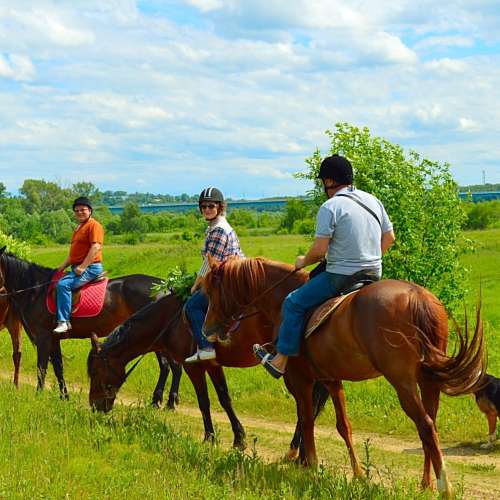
{"x": 244, "y": 279}
{"x": 121, "y": 334}
{"x": 21, "y": 273}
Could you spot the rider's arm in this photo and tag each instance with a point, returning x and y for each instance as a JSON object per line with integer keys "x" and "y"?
{"x": 388, "y": 239}
{"x": 316, "y": 253}
{"x": 89, "y": 258}
{"x": 65, "y": 264}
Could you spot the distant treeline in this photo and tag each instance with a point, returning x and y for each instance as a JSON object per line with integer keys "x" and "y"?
{"x": 42, "y": 214}
{"x": 479, "y": 188}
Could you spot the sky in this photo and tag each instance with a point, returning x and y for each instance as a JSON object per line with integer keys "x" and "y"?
{"x": 171, "y": 96}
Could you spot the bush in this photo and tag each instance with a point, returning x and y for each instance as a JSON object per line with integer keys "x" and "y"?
{"x": 421, "y": 199}
{"x": 482, "y": 215}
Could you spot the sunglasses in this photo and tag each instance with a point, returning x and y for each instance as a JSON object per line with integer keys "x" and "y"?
{"x": 210, "y": 206}
{"x": 77, "y": 210}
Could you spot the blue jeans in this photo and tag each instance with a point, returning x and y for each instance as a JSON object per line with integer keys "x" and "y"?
{"x": 297, "y": 303}
{"x": 196, "y": 310}
{"x": 72, "y": 281}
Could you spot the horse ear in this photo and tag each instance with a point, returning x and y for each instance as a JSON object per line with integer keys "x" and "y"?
{"x": 2, "y": 250}
{"x": 212, "y": 262}
{"x": 96, "y": 345}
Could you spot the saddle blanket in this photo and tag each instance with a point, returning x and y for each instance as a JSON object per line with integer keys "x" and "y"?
{"x": 323, "y": 312}
{"x": 87, "y": 301}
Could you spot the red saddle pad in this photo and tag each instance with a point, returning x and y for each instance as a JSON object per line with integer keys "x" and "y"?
{"x": 90, "y": 302}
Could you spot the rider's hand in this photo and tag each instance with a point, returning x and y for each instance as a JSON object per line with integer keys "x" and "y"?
{"x": 300, "y": 262}
{"x": 194, "y": 288}
{"x": 79, "y": 270}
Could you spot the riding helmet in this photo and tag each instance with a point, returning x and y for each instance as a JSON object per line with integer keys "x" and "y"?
{"x": 211, "y": 194}
{"x": 336, "y": 167}
{"x": 82, "y": 200}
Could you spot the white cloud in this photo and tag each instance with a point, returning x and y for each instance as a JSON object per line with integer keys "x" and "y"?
{"x": 16, "y": 67}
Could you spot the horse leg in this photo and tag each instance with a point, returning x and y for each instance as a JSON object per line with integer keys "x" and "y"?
{"x": 57, "y": 365}
{"x": 219, "y": 380}
{"x": 173, "y": 395}
{"x": 320, "y": 397}
{"x": 413, "y": 407}
{"x": 14, "y": 328}
{"x": 344, "y": 427}
{"x": 430, "y": 398}
{"x": 43, "y": 346}
{"x": 162, "y": 379}
{"x": 196, "y": 374}
{"x": 301, "y": 389}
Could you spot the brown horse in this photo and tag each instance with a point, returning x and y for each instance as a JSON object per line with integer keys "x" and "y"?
{"x": 161, "y": 325}
{"x": 25, "y": 285}
{"x": 13, "y": 325}
{"x": 391, "y": 328}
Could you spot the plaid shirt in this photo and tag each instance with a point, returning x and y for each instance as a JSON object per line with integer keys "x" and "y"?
{"x": 220, "y": 242}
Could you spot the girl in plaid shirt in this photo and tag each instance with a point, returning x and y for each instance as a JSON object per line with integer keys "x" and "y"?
{"x": 221, "y": 242}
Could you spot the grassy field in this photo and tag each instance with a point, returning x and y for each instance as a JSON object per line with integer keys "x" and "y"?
{"x": 88, "y": 451}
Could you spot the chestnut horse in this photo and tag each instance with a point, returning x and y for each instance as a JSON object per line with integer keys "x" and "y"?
{"x": 13, "y": 325}
{"x": 161, "y": 325}
{"x": 391, "y": 328}
{"x": 24, "y": 288}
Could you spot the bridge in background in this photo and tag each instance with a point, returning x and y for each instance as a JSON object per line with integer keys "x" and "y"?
{"x": 259, "y": 205}
{"x": 272, "y": 205}
{"x": 478, "y": 197}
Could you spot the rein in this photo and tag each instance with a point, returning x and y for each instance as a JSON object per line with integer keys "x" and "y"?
{"x": 21, "y": 290}
{"x": 136, "y": 363}
{"x": 242, "y": 316}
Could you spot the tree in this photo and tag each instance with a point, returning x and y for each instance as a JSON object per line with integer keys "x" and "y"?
{"x": 87, "y": 189}
{"x": 42, "y": 196}
{"x": 421, "y": 199}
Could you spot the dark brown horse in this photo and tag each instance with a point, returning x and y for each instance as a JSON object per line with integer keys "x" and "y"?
{"x": 158, "y": 326}
{"x": 391, "y": 328}
{"x": 14, "y": 327}
{"x": 25, "y": 285}
{"x": 161, "y": 325}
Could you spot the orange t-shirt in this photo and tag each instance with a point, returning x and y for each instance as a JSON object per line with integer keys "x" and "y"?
{"x": 84, "y": 235}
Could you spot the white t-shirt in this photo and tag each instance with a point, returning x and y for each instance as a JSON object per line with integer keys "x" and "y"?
{"x": 355, "y": 234}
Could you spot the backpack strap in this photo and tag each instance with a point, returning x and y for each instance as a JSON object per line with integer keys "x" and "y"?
{"x": 369, "y": 210}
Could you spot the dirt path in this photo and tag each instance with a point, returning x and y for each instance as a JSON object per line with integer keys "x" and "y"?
{"x": 477, "y": 485}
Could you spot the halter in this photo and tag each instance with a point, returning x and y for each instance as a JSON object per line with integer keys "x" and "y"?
{"x": 109, "y": 388}
{"x": 234, "y": 322}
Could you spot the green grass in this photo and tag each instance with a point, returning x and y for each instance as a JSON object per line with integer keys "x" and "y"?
{"x": 372, "y": 405}
{"x": 56, "y": 449}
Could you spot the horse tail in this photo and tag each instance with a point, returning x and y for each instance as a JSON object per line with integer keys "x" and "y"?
{"x": 462, "y": 371}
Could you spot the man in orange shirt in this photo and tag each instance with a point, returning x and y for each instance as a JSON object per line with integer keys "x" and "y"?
{"x": 85, "y": 259}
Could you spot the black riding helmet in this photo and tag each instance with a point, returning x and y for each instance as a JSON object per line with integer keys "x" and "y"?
{"x": 211, "y": 194}
{"x": 82, "y": 200}
{"x": 336, "y": 167}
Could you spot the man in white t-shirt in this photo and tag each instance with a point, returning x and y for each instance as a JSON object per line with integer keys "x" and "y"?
{"x": 353, "y": 231}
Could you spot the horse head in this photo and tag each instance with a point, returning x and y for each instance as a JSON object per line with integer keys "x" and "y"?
{"x": 105, "y": 377}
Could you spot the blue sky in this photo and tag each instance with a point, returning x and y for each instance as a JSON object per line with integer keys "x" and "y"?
{"x": 171, "y": 96}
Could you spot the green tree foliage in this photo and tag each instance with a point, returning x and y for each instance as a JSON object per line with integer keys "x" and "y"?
{"x": 20, "y": 248}
{"x": 86, "y": 189}
{"x": 421, "y": 199}
{"x": 42, "y": 196}
{"x": 483, "y": 215}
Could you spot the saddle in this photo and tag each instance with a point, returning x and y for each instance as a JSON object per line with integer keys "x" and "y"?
{"x": 319, "y": 315}
{"x": 86, "y": 302}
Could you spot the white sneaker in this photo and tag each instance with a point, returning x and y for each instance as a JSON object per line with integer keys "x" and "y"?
{"x": 62, "y": 327}
{"x": 201, "y": 355}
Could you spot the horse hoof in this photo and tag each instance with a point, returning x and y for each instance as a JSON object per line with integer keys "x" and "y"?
{"x": 170, "y": 406}
{"x": 292, "y": 455}
{"x": 486, "y": 446}
{"x": 240, "y": 445}
{"x": 156, "y": 405}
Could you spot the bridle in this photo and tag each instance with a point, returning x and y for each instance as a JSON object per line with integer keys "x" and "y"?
{"x": 232, "y": 323}
{"x": 110, "y": 390}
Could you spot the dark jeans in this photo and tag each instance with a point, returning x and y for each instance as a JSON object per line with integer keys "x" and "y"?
{"x": 196, "y": 310}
